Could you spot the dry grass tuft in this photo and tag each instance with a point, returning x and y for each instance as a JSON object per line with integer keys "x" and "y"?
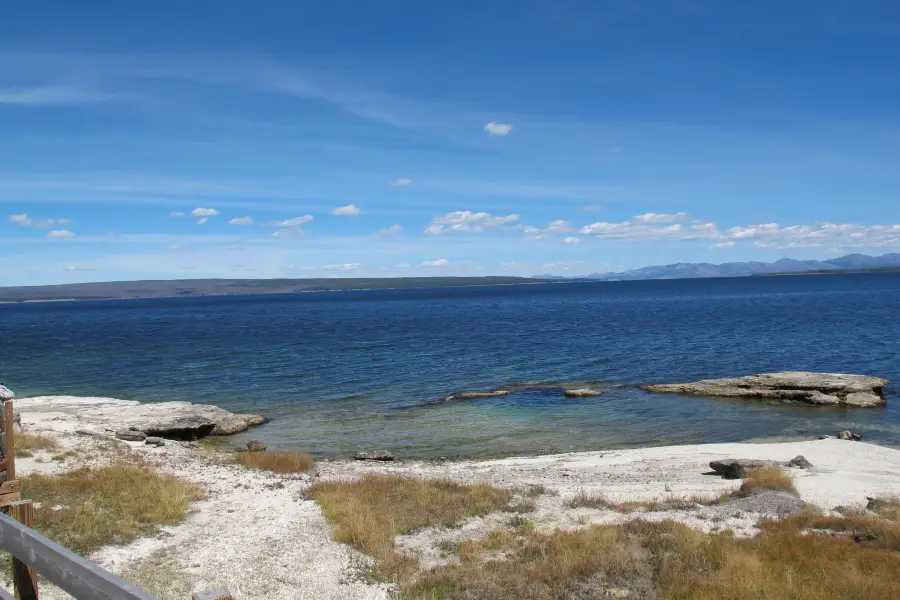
{"x": 600, "y": 501}
{"x": 278, "y": 462}
{"x": 29, "y": 443}
{"x": 86, "y": 509}
{"x": 642, "y": 560}
{"x": 767, "y": 478}
{"x": 371, "y": 512}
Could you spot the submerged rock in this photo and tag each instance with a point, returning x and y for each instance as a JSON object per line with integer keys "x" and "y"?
{"x": 790, "y": 386}
{"x": 477, "y": 395}
{"x": 583, "y": 393}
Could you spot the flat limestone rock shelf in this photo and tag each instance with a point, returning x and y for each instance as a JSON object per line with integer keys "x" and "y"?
{"x": 174, "y": 420}
{"x": 796, "y": 386}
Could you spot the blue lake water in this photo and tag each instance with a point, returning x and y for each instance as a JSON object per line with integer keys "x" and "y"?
{"x": 343, "y": 371}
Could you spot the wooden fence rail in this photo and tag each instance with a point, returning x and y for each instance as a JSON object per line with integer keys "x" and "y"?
{"x": 34, "y": 554}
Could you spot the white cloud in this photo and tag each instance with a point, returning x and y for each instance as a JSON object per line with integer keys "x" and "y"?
{"x": 403, "y": 266}
{"x": 629, "y": 230}
{"x": 468, "y": 221}
{"x": 24, "y": 221}
{"x": 202, "y": 221}
{"x": 176, "y": 213}
{"x": 60, "y": 233}
{"x": 441, "y": 262}
{"x": 174, "y": 247}
{"x": 723, "y": 245}
{"x": 241, "y": 221}
{"x": 495, "y": 128}
{"x": 660, "y": 217}
{"x": 402, "y": 182}
{"x": 351, "y": 210}
{"x": 388, "y": 231}
{"x": 295, "y": 222}
{"x": 572, "y": 240}
{"x": 343, "y": 267}
{"x": 204, "y": 212}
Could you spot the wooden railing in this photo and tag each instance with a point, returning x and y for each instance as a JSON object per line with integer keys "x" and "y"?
{"x": 34, "y": 554}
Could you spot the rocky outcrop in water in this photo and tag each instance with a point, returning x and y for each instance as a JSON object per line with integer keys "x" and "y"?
{"x": 583, "y": 393}
{"x": 477, "y": 395}
{"x": 172, "y": 420}
{"x": 825, "y": 389}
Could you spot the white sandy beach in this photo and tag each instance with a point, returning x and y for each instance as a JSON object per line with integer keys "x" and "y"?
{"x": 254, "y": 535}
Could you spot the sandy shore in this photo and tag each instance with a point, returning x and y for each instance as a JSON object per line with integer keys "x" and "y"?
{"x": 254, "y": 535}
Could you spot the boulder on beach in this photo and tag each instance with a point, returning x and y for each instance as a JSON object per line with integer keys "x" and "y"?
{"x": 791, "y": 386}
{"x": 382, "y": 456}
{"x": 583, "y": 393}
{"x": 172, "y": 420}
{"x": 850, "y": 435}
{"x": 131, "y": 435}
{"x": 735, "y": 468}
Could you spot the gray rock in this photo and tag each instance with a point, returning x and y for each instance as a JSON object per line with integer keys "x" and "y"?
{"x": 734, "y": 468}
{"x": 850, "y": 435}
{"x": 88, "y": 432}
{"x": 6, "y": 393}
{"x": 155, "y": 441}
{"x": 799, "y": 462}
{"x": 131, "y": 435}
{"x": 477, "y": 395}
{"x": 790, "y": 386}
{"x": 256, "y": 446}
{"x": 583, "y": 393}
{"x": 382, "y": 456}
{"x": 171, "y": 420}
{"x": 765, "y": 502}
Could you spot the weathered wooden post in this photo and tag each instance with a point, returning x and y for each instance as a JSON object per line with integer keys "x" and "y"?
{"x": 25, "y": 583}
{"x": 9, "y": 485}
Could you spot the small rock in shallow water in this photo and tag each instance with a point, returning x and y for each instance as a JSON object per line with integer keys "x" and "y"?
{"x": 850, "y": 435}
{"x": 131, "y": 435}
{"x": 383, "y": 456}
{"x": 583, "y": 393}
{"x": 256, "y": 446}
{"x": 155, "y": 441}
{"x": 477, "y": 395}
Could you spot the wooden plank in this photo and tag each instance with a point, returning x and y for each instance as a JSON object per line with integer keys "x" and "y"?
{"x": 25, "y": 583}
{"x": 77, "y": 576}
{"x": 10, "y": 486}
{"x": 10, "y": 447}
{"x": 216, "y": 594}
{"x": 7, "y": 499}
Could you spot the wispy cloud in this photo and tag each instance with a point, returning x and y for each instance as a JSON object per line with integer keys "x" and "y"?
{"x": 723, "y": 245}
{"x": 468, "y": 221}
{"x": 495, "y": 128}
{"x": 60, "y": 233}
{"x": 403, "y": 182}
{"x": 177, "y": 213}
{"x": 202, "y": 221}
{"x": 660, "y": 217}
{"x": 241, "y": 221}
{"x": 388, "y": 231}
{"x": 47, "y": 95}
{"x": 572, "y": 240}
{"x": 343, "y": 267}
{"x": 350, "y": 210}
{"x": 24, "y": 220}
{"x": 295, "y": 222}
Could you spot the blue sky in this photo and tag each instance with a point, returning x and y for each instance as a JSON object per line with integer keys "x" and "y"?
{"x": 350, "y": 138}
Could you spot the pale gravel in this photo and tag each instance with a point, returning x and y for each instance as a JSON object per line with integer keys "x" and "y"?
{"x": 262, "y": 541}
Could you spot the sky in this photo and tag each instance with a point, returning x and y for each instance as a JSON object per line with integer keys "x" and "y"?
{"x": 275, "y": 138}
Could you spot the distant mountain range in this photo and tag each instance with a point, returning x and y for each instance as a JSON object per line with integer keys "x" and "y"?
{"x": 744, "y": 269}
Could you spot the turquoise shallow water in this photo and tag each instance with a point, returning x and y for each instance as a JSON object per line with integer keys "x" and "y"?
{"x": 342, "y": 371}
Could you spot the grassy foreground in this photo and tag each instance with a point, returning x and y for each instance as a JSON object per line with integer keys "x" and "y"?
{"x": 277, "y": 462}
{"x": 805, "y": 557}
{"x": 86, "y": 509}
